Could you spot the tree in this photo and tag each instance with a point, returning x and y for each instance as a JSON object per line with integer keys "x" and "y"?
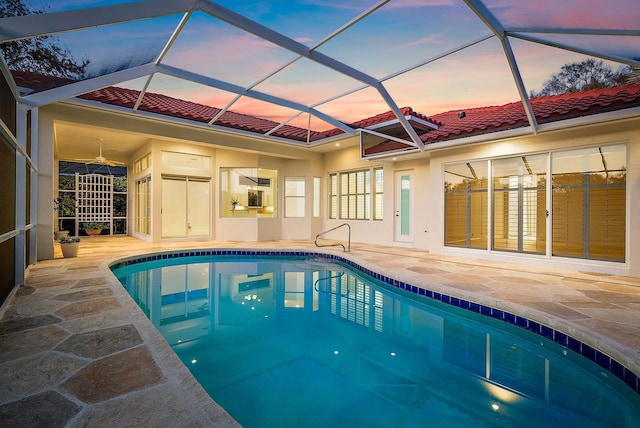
{"x": 581, "y": 76}
{"x": 42, "y": 54}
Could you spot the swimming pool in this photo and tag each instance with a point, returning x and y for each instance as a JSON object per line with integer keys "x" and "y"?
{"x": 308, "y": 339}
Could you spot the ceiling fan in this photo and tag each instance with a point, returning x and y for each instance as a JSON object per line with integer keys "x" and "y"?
{"x": 101, "y": 159}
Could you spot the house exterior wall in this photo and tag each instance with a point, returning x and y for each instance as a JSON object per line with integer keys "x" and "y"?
{"x": 225, "y": 150}
{"x": 427, "y": 215}
{"x": 47, "y": 179}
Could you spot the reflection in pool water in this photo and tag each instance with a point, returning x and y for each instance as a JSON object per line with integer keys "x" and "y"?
{"x": 295, "y": 341}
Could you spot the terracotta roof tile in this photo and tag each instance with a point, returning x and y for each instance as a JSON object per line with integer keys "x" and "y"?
{"x": 546, "y": 109}
{"x": 38, "y": 82}
{"x": 375, "y": 120}
{"x": 165, "y": 105}
{"x": 476, "y": 121}
{"x": 482, "y": 120}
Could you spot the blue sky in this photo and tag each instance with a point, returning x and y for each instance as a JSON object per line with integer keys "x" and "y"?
{"x": 400, "y": 34}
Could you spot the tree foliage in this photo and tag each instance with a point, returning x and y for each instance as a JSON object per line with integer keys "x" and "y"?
{"x": 582, "y": 76}
{"x": 43, "y": 54}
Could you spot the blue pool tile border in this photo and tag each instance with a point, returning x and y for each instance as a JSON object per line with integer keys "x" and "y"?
{"x": 587, "y": 351}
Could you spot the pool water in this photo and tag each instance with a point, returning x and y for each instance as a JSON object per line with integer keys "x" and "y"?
{"x": 311, "y": 342}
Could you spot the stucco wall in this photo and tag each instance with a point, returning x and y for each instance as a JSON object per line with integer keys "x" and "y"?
{"x": 46, "y": 174}
{"x": 426, "y": 169}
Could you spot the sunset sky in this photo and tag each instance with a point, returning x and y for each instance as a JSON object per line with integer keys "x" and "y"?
{"x": 400, "y": 34}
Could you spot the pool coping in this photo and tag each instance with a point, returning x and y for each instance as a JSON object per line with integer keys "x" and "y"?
{"x": 512, "y": 317}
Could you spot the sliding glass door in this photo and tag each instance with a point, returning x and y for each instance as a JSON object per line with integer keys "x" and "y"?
{"x": 574, "y": 201}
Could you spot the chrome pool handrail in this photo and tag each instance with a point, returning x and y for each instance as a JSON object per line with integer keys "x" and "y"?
{"x": 347, "y": 249}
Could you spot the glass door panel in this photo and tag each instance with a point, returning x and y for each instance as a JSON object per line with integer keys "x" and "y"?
{"x": 519, "y": 204}
{"x": 198, "y": 208}
{"x": 174, "y": 203}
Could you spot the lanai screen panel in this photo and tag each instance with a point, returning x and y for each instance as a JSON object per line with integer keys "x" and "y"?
{"x": 239, "y": 47}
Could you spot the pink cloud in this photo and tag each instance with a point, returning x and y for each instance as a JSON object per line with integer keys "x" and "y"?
{"x": 616, "y": 14}
{"x": 237, "y": 57}
{"x": 404, "y": 4}
{"x": 430, "y": 39}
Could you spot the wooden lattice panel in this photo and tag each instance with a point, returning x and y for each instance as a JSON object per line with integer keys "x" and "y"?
{"x": 95, "y": 198}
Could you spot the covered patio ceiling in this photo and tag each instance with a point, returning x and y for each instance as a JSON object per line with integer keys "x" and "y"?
{"x": 323, "y": 65}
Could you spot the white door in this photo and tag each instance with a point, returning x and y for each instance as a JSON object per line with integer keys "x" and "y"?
{"x": 185, "y": 207}
{"x": 403, "y": 204}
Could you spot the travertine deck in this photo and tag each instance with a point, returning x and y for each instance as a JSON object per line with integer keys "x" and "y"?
{"x": 75, "y": 350}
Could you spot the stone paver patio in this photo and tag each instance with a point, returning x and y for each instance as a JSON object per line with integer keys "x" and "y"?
{"x": 75, "y": 350}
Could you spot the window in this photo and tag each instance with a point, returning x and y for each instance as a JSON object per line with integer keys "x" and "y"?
{"x": 142, "y": 164}
{"x": 378, "y": 201}
{"x": 248, "y": 192}
{"x": 316, "y": 196}
{"x": 589, "y": 203}
{"x": 333, "y": 196}
{"x": 350, "y": 195}
{"x": 294, "y": 196}
{"x": 143, "y": 205}
{"x": 466, "y": 196}
{"x": 355, "y": 198}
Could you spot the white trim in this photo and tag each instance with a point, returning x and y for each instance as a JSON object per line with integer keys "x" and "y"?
{"x": 555, "y": 262}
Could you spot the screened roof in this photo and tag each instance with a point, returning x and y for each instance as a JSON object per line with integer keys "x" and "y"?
{"x": 324, "y": 65}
